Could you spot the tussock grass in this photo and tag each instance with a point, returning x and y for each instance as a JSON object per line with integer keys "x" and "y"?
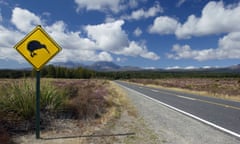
{"x": 52, "y": 98}
{"x": 17, "y": 104}
{"x": 18, "y": 98}
{"x": 92, "y": 103}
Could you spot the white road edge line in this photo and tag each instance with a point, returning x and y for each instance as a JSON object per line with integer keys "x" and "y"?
{"x": 186, "y": 113}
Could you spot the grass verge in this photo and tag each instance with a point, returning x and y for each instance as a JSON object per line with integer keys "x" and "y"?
{"x": 82, "y": 107}
{"x": 17, "y": 104}
{"x": 127, "y": 121}
{"x": 224, "y": 88}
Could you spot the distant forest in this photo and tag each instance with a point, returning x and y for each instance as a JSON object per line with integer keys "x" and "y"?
{"x": 51, "y": 71}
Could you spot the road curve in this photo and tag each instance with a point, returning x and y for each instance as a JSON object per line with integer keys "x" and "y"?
{"x": 221, "y": 114}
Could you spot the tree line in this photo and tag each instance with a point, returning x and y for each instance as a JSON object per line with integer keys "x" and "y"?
{"x": 51, "y": 71}
{"x": 148, "y": 74}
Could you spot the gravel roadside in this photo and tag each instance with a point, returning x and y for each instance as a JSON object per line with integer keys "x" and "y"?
{"x": 174, "y": 127}
{"x": 120, "y": 125}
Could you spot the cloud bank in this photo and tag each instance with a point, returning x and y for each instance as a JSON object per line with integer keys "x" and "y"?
{"x": 100, "y": 42}
{"x": 216, "y": 18}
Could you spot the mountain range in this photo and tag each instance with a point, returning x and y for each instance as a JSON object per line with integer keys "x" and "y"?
{"x": 110, "y": 66}
{"x": 100, "y": 66}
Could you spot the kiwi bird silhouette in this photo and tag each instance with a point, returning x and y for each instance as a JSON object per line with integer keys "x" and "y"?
{"x": 34, "y": 45}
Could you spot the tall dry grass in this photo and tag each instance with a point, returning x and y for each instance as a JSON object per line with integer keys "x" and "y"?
{"x": 17, "y": 104}
{"x": 18, "y": 98}
{"x": 93, "y": 100}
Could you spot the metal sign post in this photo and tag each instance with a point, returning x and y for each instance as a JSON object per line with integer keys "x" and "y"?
{"x": 37, "y": 48}
{"x": 37, "y": 104}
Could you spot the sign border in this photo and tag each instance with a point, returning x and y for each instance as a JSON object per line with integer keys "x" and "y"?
{"x": 39, "y": 27}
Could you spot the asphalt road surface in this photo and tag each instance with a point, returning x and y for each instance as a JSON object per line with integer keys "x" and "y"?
{"x": 221, "y": 114}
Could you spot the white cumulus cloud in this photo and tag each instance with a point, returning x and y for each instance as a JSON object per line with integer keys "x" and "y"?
{"x": 8, "y": 39}
{"x": 164, "y": 25}
{"x": 228, "y": 48}
{"x": 180, "y": 2}
{"x": 75, "y": 47}
{"x": 101, "y": 5}
{"x": 133, "y": 3}
{"x": 69, "y": 39}
{"x": 141, "y": 13}
{"x": 137, "y": 32}
{"x": 135, "y": 49}
{"x": 1, "y": 18}
{"x": 216, "y": 18}
{"x": 101, "y": 41}
{"x": 108, "y": 36}
{"x": 24, "y": 20}
{"x": 105, "y": 56}
{"x": 112, "y": 38}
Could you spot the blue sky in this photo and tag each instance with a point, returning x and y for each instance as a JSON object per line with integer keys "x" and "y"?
{"x": 144, "y": 33}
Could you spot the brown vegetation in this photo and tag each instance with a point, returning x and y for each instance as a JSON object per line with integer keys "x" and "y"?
{"x": 81, "y": 100}
{"x": 85, "y": 98}
{"x": 228, "y": 88}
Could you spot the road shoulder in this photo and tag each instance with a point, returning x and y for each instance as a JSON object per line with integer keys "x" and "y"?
{"x": 174, "y": 127}
{"x": 123, "y": 125}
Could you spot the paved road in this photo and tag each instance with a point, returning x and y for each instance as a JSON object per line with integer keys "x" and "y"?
{"x": 221, "y": 114}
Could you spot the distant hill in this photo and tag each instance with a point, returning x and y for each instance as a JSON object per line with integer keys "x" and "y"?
{"x": 110, "y": 66}
{"x": 235, "y": 67}
{"x": 104, "y": 66}
{"x": 99, "y": 66}
{"x": 114, "y": 71}
{"x": 69, "y": 64}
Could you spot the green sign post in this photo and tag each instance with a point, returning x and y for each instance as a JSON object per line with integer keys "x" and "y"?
{"x": 37, "y": 48}
{"x": 37, "y": 104}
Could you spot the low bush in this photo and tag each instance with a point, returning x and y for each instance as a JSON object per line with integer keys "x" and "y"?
{"x": 60, "y": 98}
{"x": 52, "y": 98}
{"x": 85, "y": 98}
{"x": 18, "y": 99}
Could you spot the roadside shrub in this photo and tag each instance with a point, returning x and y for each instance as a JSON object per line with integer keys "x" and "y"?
{"x": 52, "y": 98}
{"x": 18, "y": 98}
{"x": 86, "y": 99}
{"x": 71, "y": 90}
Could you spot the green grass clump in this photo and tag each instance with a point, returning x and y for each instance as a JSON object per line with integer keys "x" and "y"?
{"x": 18, "y": 98}
{"x": 52, "y": 98}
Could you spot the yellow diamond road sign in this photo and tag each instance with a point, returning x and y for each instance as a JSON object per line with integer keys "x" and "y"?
{"x": 37, "y": 48}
